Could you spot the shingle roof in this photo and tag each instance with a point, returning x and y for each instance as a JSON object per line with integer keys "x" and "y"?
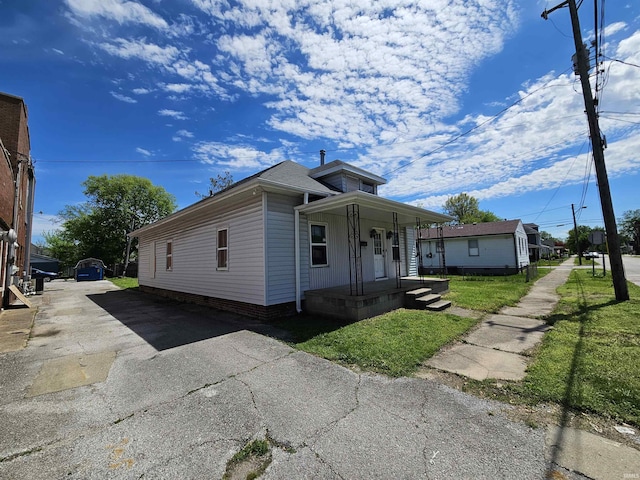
{"x": 473, "y": 230}
{"x": 294, "y": 175}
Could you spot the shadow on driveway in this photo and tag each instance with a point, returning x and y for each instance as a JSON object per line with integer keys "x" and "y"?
{"x": 165, "y": 324}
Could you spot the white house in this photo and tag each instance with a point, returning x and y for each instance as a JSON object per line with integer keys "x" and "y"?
{"x": 257, "y": 246}
{"x": 491, "y": 248}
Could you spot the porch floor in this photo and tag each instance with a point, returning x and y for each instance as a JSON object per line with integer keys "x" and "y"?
{"x": 379, "y": 297}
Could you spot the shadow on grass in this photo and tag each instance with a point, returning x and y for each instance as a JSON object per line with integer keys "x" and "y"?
{"x": 305, "y": 327}
{"x": 573, "y": 391}
{"x": 584, "y": 310}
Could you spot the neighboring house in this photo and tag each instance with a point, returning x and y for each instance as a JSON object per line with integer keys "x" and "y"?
{"x": 43, "y": 262}
{"x": 17, "y": 188}
{"x": 492, "y": 248}
{"x": 533, "y": 237}
{"x": 258, "y": 245}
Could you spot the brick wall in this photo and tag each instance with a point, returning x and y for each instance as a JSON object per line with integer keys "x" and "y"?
{"x": 14, "y": 132}
{"x": 6, "y": 192}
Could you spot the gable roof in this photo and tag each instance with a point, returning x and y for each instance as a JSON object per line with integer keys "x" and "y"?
{"x": 507, "y": 227}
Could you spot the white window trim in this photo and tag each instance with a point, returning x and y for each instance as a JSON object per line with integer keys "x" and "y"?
{"x": 472, "y": 249}
{"x": 218, "y": 248}
{"x": 325, "y": 244}
{"x": 169, "y": 255}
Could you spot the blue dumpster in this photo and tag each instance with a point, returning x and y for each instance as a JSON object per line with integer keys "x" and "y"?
{"x": 89, "y": 269}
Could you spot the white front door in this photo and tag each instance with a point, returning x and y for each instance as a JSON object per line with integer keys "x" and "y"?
{"x": 378, "y": 254}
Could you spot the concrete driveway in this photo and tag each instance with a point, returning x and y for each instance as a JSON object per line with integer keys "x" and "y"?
{"x": 117, "y": 384}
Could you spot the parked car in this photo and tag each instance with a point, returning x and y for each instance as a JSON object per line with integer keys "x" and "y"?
{"x": 48, "y": 276}
{"x": 590, "y": 254}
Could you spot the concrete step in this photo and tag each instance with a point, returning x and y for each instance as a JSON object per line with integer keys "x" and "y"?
{"x": 438, "y": 306}
{"x": 427, "y": 299}
{"x": 418, "y": 292}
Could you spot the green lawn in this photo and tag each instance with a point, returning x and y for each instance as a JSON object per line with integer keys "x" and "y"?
{"x": 395, "y": 343}
{"x": 489, "y": 293}
{"x": 124, "y": 282}
{"x": 590, "y": 361}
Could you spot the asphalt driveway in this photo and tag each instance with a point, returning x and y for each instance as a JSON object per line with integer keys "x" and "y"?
{"x": 117, "y": 384}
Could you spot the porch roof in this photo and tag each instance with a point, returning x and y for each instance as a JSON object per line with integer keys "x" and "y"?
{"x": 373, "y": 207}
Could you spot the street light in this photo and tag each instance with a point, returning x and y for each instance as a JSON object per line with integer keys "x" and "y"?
{"x": 575, "y": 227}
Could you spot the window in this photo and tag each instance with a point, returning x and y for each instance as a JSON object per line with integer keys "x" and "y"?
{"x": 223, "y": 249}
{"x": 367, "y": 187}
{"x": 169, "y": 254}
{"x": 474, "y": 251}
{"x": 318, "y": 237}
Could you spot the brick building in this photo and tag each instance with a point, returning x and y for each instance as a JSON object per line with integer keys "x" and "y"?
{"x": 17, "y": 188}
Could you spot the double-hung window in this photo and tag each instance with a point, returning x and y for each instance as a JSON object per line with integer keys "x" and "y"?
{"x": 169, "y": 255}
{"x": 223, "y": 249}
{"x": 474, "y": 251}
{"x": 318, "y": 237}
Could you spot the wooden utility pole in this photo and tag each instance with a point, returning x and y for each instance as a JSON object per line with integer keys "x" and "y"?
{"x": 582, "y": 59}
{"x": 575, "y": 229}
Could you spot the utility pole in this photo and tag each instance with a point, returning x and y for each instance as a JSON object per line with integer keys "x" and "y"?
{"x": 615, "y": 254}
{"x": 575, "y": 229}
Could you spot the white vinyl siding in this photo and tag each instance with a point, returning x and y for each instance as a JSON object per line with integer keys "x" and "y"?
{"x": 195, "y": 253}
{"x": 496, "y": 251}
{"x": 280, "y": 245}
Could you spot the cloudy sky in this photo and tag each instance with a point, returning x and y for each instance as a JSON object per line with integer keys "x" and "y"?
{"x": 439, "y": 97}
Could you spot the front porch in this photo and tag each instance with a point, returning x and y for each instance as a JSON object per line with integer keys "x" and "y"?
{"x": 378, "y": 297}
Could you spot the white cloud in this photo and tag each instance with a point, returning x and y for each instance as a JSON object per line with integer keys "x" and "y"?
{"x": 123, "y": 98}
{"x": 236, "y": 157}
{"x": 165, "y": 112}
{"x": 121, "y": 11}
{"x": 141, "y": 91}
{"x": 44, "y": 223}
{"x": 140, "y": 49}
{"x": 143, "y": 151}
{"x": 59, "y": 52}
{"x": 176, "y": 87}
{"x": 182, "y": 134}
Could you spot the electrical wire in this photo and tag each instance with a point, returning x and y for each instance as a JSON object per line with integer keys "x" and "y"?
{"x": 561, "y": 183}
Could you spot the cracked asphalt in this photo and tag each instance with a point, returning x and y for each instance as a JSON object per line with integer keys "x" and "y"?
{"x": 187, "y": 387}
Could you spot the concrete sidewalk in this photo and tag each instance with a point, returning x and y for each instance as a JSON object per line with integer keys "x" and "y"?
{"x": 495, "y": 349}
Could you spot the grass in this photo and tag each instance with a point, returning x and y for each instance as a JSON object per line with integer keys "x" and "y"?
{"x": 395, "y": 343}
{"x": 488, "y": 293}
{"x": 585, "y": 261}
{"x": 256, "y": 453}
{"x": 124, "y": 282}
{"x": 590, "y": 360}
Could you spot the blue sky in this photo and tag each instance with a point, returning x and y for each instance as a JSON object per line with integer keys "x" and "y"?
{"x": 181, "y": 90}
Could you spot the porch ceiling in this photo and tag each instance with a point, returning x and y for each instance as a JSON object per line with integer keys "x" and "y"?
{"x": 373, "y": 207}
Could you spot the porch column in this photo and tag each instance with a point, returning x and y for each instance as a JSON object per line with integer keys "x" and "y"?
{"x": 395, "y": 249}
{"x": 355, "y": 250}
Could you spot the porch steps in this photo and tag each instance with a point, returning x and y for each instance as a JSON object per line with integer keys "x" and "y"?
{"x": 438, "y": 306}
{"x": 422, "y": 298}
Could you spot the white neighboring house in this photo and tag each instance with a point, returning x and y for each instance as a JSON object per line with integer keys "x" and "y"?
{"x": 258, "y": 245}
{"x": 488, "y": 248}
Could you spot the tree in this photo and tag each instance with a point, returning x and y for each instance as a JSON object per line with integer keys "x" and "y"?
{"x": 465, "y": 209}
{"x": 583, "y": 239}
{"x": 116, "y": 206}
{"x": 630, "y": 228}
{"x": 220, "y": 182}
{"x": 61, "y": 248}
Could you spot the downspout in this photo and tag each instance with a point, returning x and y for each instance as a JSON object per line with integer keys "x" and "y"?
{"x": 296, "y": 226}
{"x": 30, "y": 202}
